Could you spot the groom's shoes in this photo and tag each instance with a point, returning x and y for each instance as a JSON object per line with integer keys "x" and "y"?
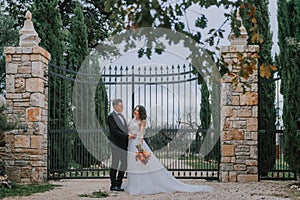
{"x": 116, "y": 188}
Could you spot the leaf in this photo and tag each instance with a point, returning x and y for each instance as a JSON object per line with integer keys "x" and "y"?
{"x": 274, "y": 68}
{"x": 253, "y": 20}
{"x": 264, "y": 71}
{"x": 201, "y": 22}
{"x": 239, "y": 56}
{"x": 256, "y": 38}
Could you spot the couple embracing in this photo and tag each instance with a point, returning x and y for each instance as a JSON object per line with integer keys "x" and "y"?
{"x": 150, "y": 178}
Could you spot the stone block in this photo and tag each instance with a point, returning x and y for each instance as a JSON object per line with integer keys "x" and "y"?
{"x": 27, "y": 50}
{"x": 20, "y": 163}
{"x": 13, "y": 172}
{"x": 34, "y": 85}
{"x": 36, "y": 57}
{"x": 8, "y": 59}
{"x": 225, "y": 177}
{"x": 37, "y": 174}
{"x": 14, "y": 96}
{"x": 253, "y": 152}
{"x": 254, "y": 136}
{"x": 20, "y": 85}
{"x": 239, "y": 167}
{"x": 252, "y": 170}
{"x": 11, "y": 68}
{"x": 245, "y": 111}
{"x": 21, "y": 141}
{"x": 25, "y": 172}
{"x": 226, "y": 159}
{"x": 227, "y": 150}
{"x": 234, "y": 134}
{"x": 25, "y": 57}
{"x": 249, "y": 98}
{"x": 232, "y": 176}
{"x": 37, "y": 69}
{"x": 10, "y": 83}
{"x": 33, "y": 114}
{"x": 239, "y": 124}
{"x": 252, "y": 124}
{"x": 24, "y": 70}
{"x": 9, "y": 50}
{"x": 39, "y": 128}
{"x": 247, "y": 178}
{"x": 235, "y": 100}
{"x": 37, "y": 99}
{"x": 36, "y": 142}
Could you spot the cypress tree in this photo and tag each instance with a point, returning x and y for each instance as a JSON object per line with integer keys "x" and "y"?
{"x": 78, "y": 49}
{"x": 289, "y": 59}
{"x": 48, "y": 25}
{"x": 8, "y": 37}
{"x": 266, "y": 88}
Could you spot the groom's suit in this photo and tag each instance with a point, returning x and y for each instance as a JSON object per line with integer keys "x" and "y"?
{"x": 118, "y": 135}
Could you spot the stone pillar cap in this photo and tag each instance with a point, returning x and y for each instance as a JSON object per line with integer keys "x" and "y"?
{"x": 28, "y": 36}
{"x": 242, "y": 39}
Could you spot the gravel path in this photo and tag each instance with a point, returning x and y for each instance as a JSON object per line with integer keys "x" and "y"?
{"x": 71, "y": 189}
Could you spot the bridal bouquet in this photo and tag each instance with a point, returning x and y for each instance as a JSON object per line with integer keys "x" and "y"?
{"x": 142, "y": 155}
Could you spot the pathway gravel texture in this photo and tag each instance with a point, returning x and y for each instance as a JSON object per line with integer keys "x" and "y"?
{"x": 71, "y": 189}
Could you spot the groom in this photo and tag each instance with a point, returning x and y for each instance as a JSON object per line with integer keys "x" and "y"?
{"x": 118, "y": 135}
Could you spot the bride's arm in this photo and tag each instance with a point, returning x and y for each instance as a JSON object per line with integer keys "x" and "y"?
{"x": 142, "y": 130}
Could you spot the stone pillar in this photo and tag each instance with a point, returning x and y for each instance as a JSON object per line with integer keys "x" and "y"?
{"x": 239, "y": 116}
{"x": 27, "y": 102}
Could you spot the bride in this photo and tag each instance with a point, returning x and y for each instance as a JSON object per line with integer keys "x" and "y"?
{"x": 152, "y": 177}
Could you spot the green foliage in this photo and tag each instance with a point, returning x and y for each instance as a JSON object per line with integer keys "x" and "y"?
{"x": 78, "y": 47}
{"x": 99, "y": 194}
{"x": 48, "y": 24}
{"x": 205, "y": 112}
{"x": 5, "y": 125}
{"x": 289, "y": 59}
{"x": 266, "y": 105}
{"x": 8, "y": 37}
{"x": 25, "y": 190}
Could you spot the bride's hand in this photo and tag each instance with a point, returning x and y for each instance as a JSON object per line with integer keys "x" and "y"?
{"x": 132, "y": 136}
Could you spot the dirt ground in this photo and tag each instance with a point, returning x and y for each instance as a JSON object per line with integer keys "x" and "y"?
{"x": 71, "y": 189}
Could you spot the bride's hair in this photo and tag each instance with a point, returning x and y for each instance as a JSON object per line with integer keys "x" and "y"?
{"x": 142, "y": 111}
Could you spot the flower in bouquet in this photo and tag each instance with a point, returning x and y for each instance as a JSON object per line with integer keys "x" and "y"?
{"x": 142, "y": 155}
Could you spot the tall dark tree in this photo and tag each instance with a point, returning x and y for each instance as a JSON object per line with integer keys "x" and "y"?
{"x": 48, "y": 24}
{"x": 266, "y": 88}
{"x": 8, "y": 37}
{"x": 78, "y": 38}
{"x": 289, "y": 59}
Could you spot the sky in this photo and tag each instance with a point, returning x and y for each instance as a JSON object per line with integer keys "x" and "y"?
{"x": 215, "y": 20}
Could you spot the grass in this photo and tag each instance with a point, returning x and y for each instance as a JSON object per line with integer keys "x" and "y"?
{"x": 199, "y": 163}
{"x": 25, "y": 190}
{"x": 95, "y": 195}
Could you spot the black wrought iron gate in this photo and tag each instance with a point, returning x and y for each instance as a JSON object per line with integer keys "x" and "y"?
{"x": 171, "y": 95}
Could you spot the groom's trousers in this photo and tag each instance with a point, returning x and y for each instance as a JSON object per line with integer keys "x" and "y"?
{"x": 118, "y": 165}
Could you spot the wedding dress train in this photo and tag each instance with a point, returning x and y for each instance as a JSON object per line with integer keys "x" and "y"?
{"x": 152, "y": 177}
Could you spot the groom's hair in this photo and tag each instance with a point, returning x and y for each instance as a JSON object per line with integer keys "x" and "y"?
{"x": 116, "y": 102}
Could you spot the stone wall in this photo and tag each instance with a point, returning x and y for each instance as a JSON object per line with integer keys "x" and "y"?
{"x": 239, "y": 115}
{"x": 27, "y": 100}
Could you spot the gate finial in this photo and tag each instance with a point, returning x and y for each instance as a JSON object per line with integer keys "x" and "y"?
{"x": 28, "y": 36}
{"x": 242, "y": 39}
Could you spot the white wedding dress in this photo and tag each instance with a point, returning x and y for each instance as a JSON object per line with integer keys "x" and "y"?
{"x": 152, "y": 178}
